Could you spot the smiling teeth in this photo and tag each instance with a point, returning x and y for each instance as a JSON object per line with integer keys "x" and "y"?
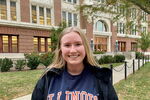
{"x": 73, "y": 56}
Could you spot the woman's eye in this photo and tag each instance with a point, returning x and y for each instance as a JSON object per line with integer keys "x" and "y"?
{"x": 78, "y": 44}
{"x": 66, "y": 45}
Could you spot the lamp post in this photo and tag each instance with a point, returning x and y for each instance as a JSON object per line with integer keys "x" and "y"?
{"x": 92, "y": 44}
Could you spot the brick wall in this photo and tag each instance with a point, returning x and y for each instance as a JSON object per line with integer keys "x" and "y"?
{"x": 25, "y": 36}
{"x": 128, "y": 42}
{"x": 82, "y": 18}
{"x": 25, "y": 10}
{"x": 114, "y": 37}
{"x": 57, "y": 12}
{"x": 89, "y": 31}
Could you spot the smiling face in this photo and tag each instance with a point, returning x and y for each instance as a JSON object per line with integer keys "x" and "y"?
{"x": 72, "y": 49}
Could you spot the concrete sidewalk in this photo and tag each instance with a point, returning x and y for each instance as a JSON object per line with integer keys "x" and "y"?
{"x": 27, "y": 97}
{"x": 118, "y": 74}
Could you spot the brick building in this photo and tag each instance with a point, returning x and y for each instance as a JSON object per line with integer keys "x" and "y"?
{"x": 25, "y": 26}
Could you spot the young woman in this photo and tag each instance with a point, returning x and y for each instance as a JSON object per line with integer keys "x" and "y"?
{"x": 74, "y": 74}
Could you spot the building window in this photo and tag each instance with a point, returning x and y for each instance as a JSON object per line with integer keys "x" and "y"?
{"x": 75, "y": 19}
{"x": 120, "y": 9}
{"x": 43, "y": 17}
{"x": 34, "y": 15}
{"x": 13, "y": 10}
{"x": 133, "y": 29}
{"x": 133, "y": 13}
{"x": 100, "y": 44}
{"x": 9, "y": 44}
{"x": 3, "y": 9}
{"x": 35, "y": 41}
{"x": 49, "y": 44}
{"x": 14, "y": 44}
{"x": 41, "y": 44}
{"x": 133, "y": 46}
{"x": 74, "y": 1}
{"x": 121, "y": 46}
{"x": 42, "y": 41}
{"x": 144, "y": 29}
{"x": 101, "y": 1}
{"x": 41, "y": 13}
{"x": 71, "y": 1}
{"x": 69, "y": 18}
{"x": 100, "y": 47}
{"x": 100, "y": 26}
{"x": 120, "y": 28}
{"x": 48, "y": 16}
{"x": 144, "y": 16}
{"x": 64, "y": 16}
{"x": 5, "y": 44}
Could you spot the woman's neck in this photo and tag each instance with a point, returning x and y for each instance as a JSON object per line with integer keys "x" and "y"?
{"x": 75, "y": 69}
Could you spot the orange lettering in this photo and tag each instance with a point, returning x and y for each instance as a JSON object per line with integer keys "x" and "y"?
{"x": 50, "y": 96}
{"x": 58, "y": 95}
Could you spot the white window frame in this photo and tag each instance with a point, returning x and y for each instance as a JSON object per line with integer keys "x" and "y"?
{"x": 9, "y": 11}
{"x": 72, "y": 18}
{"x": 134, "y": 30}
{"x": 144, "y": 16}
{"x": 120, "y": 28}
{"x": 71, "y": 1}
{"x": 37, "y": 12}
{"x": 133, "y": 13}
{"x": 104, "y": 26}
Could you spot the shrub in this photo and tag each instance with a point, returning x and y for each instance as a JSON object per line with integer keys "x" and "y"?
{"x": 96, "y": 59}
{"x": 119, "y": 58}
{"x": 98, "y": 52}
{"x": 0, "y": 63}
{"x": 5, "y": 64}
{"x": 139, "y": 55}
{"x": 106, "y": 59}
{"x": 101, "y": 60}
{"x": 46, "y": 59}
{"x": 33, "y": 60}
{"x": 20, "y": 64}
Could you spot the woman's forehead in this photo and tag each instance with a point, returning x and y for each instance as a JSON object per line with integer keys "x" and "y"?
{"x": 72, "y": 36}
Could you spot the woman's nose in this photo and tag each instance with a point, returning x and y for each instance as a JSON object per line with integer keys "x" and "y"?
{"x": 72, "y": 49}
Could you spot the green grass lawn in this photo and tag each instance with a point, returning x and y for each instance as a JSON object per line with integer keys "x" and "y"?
{"x": 136, "y": 87}
{"x": 16, "y": 84}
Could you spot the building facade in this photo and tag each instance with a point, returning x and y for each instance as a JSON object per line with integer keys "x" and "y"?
{"x": 25, "y": 26}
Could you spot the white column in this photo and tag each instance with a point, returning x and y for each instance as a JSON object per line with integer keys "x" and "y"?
{"x": 8, "y": 10}
{"x": 45, "y": 15}
{"x": 18, "y": 10}
{"x": 52, "y": 13}
{"x": 38, "y": 15}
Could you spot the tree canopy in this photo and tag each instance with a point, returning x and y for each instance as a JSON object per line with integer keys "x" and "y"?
{"x": 143, "y": 4}
{"x": 144, "y": 41}
{"x": 55, "y": 32}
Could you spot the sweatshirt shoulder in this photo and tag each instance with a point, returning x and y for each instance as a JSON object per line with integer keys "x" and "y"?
{"x": 103, "y": 74}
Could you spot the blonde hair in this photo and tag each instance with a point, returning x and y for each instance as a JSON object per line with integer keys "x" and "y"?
{"x": 59, "y": 62}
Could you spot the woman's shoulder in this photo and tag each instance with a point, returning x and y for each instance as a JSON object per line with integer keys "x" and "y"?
{"x": 49, "y": 73}
{"x": 103, "y": 74}
{"x": 52, "y": 71}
